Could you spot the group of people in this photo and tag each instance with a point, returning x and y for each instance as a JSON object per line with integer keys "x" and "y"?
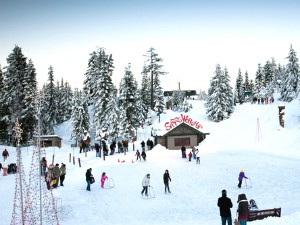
{"x": 194, "y": 153}
{"x": 263, "y": 101}
{"x": 90, "y": 179}
{"x": 54, "y": 175}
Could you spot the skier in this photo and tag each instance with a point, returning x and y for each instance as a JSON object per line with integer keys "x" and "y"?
{"x": 103, "y": 178}
{"x": 138, "y": 155}
{"x": 241, "y": 176}
{"x": 146, "y": 184}
{"x": 225, "y": 204}
{"x": 166, "y": 178}
{"x": 243, "y": 209}
{"x": 144, "y": 155}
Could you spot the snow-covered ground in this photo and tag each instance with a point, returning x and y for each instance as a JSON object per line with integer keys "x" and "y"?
{"x": 251, "y": 140}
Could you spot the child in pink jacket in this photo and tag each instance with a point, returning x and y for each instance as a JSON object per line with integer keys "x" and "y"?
{"x": 103, "y": 178}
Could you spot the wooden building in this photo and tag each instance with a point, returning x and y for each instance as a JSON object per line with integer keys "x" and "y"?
{"x": 181, "y": 135}
{"x": 51, "y": 140}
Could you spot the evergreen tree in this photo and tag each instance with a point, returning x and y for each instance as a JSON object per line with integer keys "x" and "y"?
{"x": 145, "y": 92}
{"x": 154, "y": 69}
{"x": 30, "y": 109}
{"x": 220, "y": 98}
{"x": 202, "y": 95}
{"x": 128, "y": 96}
{"x": 259, "y": 80}
{"x": 239, "y": 88}
{"x": 247, "y": 83}
{"x": 290, "y": 89}
{"x": 3, "y": 109}
{"x": 13, "y": 87}
{"x": 80, "y": 115}
{"x": 67, "y": 97}
{"x": 49, "y": 111}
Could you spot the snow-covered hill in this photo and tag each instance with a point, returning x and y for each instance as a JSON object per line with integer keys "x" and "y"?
{"x": 249, "y": 140}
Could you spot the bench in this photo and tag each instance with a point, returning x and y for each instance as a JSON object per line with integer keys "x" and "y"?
{"x": 261, "y": 214}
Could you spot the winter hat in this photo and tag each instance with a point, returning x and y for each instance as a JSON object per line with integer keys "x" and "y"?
{"x": 242, "y": 170}
{"x": 224, "y": 192}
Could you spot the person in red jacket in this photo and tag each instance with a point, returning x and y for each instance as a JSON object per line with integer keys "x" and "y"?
{"x": 190, "y": 155}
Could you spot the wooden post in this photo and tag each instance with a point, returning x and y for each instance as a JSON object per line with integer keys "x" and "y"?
{"x": 70, "y": 157}
{"x": 53, "y": 159}
{"x": 73, "y": 160}
{"x": 79, "y": 162}
{"x": 85, "y": 152}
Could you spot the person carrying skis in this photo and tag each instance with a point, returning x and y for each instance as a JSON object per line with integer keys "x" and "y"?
{"x": 241, "y": 176}
{"x": 146, "y": 184}
{"x": 166, "y": 178}
{"x": 103, "y": 178}
{"x": 138, "y": 155}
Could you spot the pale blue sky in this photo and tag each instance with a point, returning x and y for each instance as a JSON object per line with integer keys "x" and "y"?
{"x": 191, "y": 36}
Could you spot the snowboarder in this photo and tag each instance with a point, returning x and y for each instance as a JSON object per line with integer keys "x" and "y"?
{"x": 103, "y": 178}
{"x": 144, "y": 155}
{"x": 63, "y": 170}
{"x": 88, "y": 176}
{"x": 225, "y": 204}
{"x": 243, "y": 209}
{"x": 166, "y": 178}
{"x": 138, "y": 155}
{"x": 241, "y": 176}
{"x": 146, "y": 184}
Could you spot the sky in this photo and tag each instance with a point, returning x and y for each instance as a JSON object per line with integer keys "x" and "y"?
{"x": 190, "y": 36}
{"x": 271, "y": 162}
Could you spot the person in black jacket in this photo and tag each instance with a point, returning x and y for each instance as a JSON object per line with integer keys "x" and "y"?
{"x": 225, "y": 204}
{"x": 166, "y": 178}
{"x": 88, "y": 176}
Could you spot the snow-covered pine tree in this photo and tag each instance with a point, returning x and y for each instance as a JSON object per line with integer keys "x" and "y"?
{"x": 202, "y": 95}
{"x": 227, "y": 89}
{"x": 290, "y": 89}
{"x": 129, "y": 97}
{"x": 30, "y": 110}
{"x": 3, "y": 109}
{"x": 80, "y": 115}
{"x": 216, "y": 105}
{"x": 103, "y": 87}
{"x": 154, "y": 69}
{"x": 239, "y": 88}
{"x": 13, "y": 86}
{"x": 159, "y": 100}
{"x": 145, "y": 92}
{"x": 48, "y": 107}
{"x": 259, "y": 81}
{"x": 247, "y": 83}
{"x": 67, "y": 96}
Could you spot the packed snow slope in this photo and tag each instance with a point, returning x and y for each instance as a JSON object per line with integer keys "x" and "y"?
{"x": 250, "y": 140}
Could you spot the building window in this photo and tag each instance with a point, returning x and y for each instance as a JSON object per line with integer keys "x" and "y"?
{"x": 182, "y": 141}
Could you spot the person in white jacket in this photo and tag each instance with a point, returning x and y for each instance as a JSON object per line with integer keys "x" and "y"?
{"x": 146, "y": 184}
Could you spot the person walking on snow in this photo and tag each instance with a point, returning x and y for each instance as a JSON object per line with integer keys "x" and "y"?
{"x": 241, "y": 176}
{"x": 5, "y": 154}
{"x": 63, "y": 171}
{"x": 197, "y": 157}
{"x": 88, "y": 176}
{"x": 225, "y": 204}
{"x": 166, "y": 179}
{"x": 146, "y": 184}
{"x": 190, "y": 156}
{"x": 138, "y": 155}
{"x": 144, "y": 155}
{"x": 103, "y": 178}
{"x": 243, "y": 209}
